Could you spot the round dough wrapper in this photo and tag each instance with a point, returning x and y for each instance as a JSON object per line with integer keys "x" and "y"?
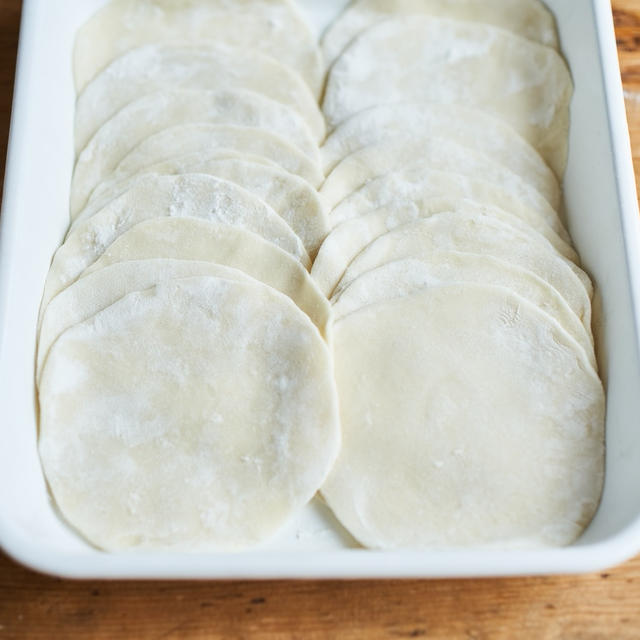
{"x": 416, "y": 58}
{"x": 403, "y": 277}
{"x": 160, "y": 110}
{"x": 477, "y": 233}
{"x": 274, "y": 27}
{"x": 413, "y": 121}
{"x": 197, "y": 415}
{"x": 418, "y": 127}
{"x": 96, "y": 291}
{"x": 469, "y": 418}
{"x": 401, "y": 189}
{"x": 117, "y": 183}
{"x": 529, "y": 19}
{"x": 186, "y": 196}
{"x": 349, "y": 238}
{"x": 291, "y": 197}
{"x": 201, "y": 240}
{"x": 409, "y": 158}
{"x": 209, "y": 138}
{"x": 216, "y": 141}
{"x": 159, "y": 67}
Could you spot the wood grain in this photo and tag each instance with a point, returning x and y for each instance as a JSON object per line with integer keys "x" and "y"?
{"x": 9, "y": 29}
{"x": 597, "y": 607}
{"x": 626, "y": 15}
{"x": 594, "y": 607}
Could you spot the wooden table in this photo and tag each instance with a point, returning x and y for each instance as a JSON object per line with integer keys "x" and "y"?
{"x": 605, "y": 605}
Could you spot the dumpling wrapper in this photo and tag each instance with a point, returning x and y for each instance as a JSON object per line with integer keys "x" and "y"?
{"x": 423, "y": 59}
{"x": 201, "y": 240}
{"x": 439, "y": 153}
{"x": 412, "y": 122}
{"x": 275, "y": 27}
{"x": 159, "y": 67}
{"x": 221, "y": 141}
{"x": 187, "y": 196}
{"x": 197, "y": 415}
{"x": 527, "y": 18}
{"x": 415, "y": 187}
{"x": 349, "y": 238}
{"x": 291, "y": 197}
{"x": 470, "y": 418}
{"x": 163, "y": 109}
{"x": 403, "y": 277}
{"x": 118, "y": 183}
{"x": 96, "y": 291}
{"x": 478, "y": 233}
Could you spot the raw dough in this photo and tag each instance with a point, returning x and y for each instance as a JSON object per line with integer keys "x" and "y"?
{"x": 116, "y": 184}
{"x": 292, "y": 198}
{"x": 419, "y": 58}
{"x": 478, "y": 233}
{"x": 157, "y": 111}
{"x": 197, "y": 415}
{"x": 456, "y": 431}
{"x": 527, "y": 18}
{"x": 99, "y": 290}
{"x": 161, "y": 67}
{"x": 193, "y": 239}
{"x": 411, "y": 157}
{"x": 272, "y": 26}
{"x": 404, "y": 189}
{"x": 403, "y": 277}
{"x": 348, "y": 239}
{"x": 153, "y": 196}
{"x": 223, "y": 141}
{"x": 414, "y": 121}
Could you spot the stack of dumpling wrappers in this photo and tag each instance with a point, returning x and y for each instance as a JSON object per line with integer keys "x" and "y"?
{"x": 339, "y": 267}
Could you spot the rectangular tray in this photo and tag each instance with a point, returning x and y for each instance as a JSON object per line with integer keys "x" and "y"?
{"x": 603, "y": 218}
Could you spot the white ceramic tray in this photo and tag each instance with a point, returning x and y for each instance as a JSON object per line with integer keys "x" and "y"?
{"x": 603, "y": 218}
